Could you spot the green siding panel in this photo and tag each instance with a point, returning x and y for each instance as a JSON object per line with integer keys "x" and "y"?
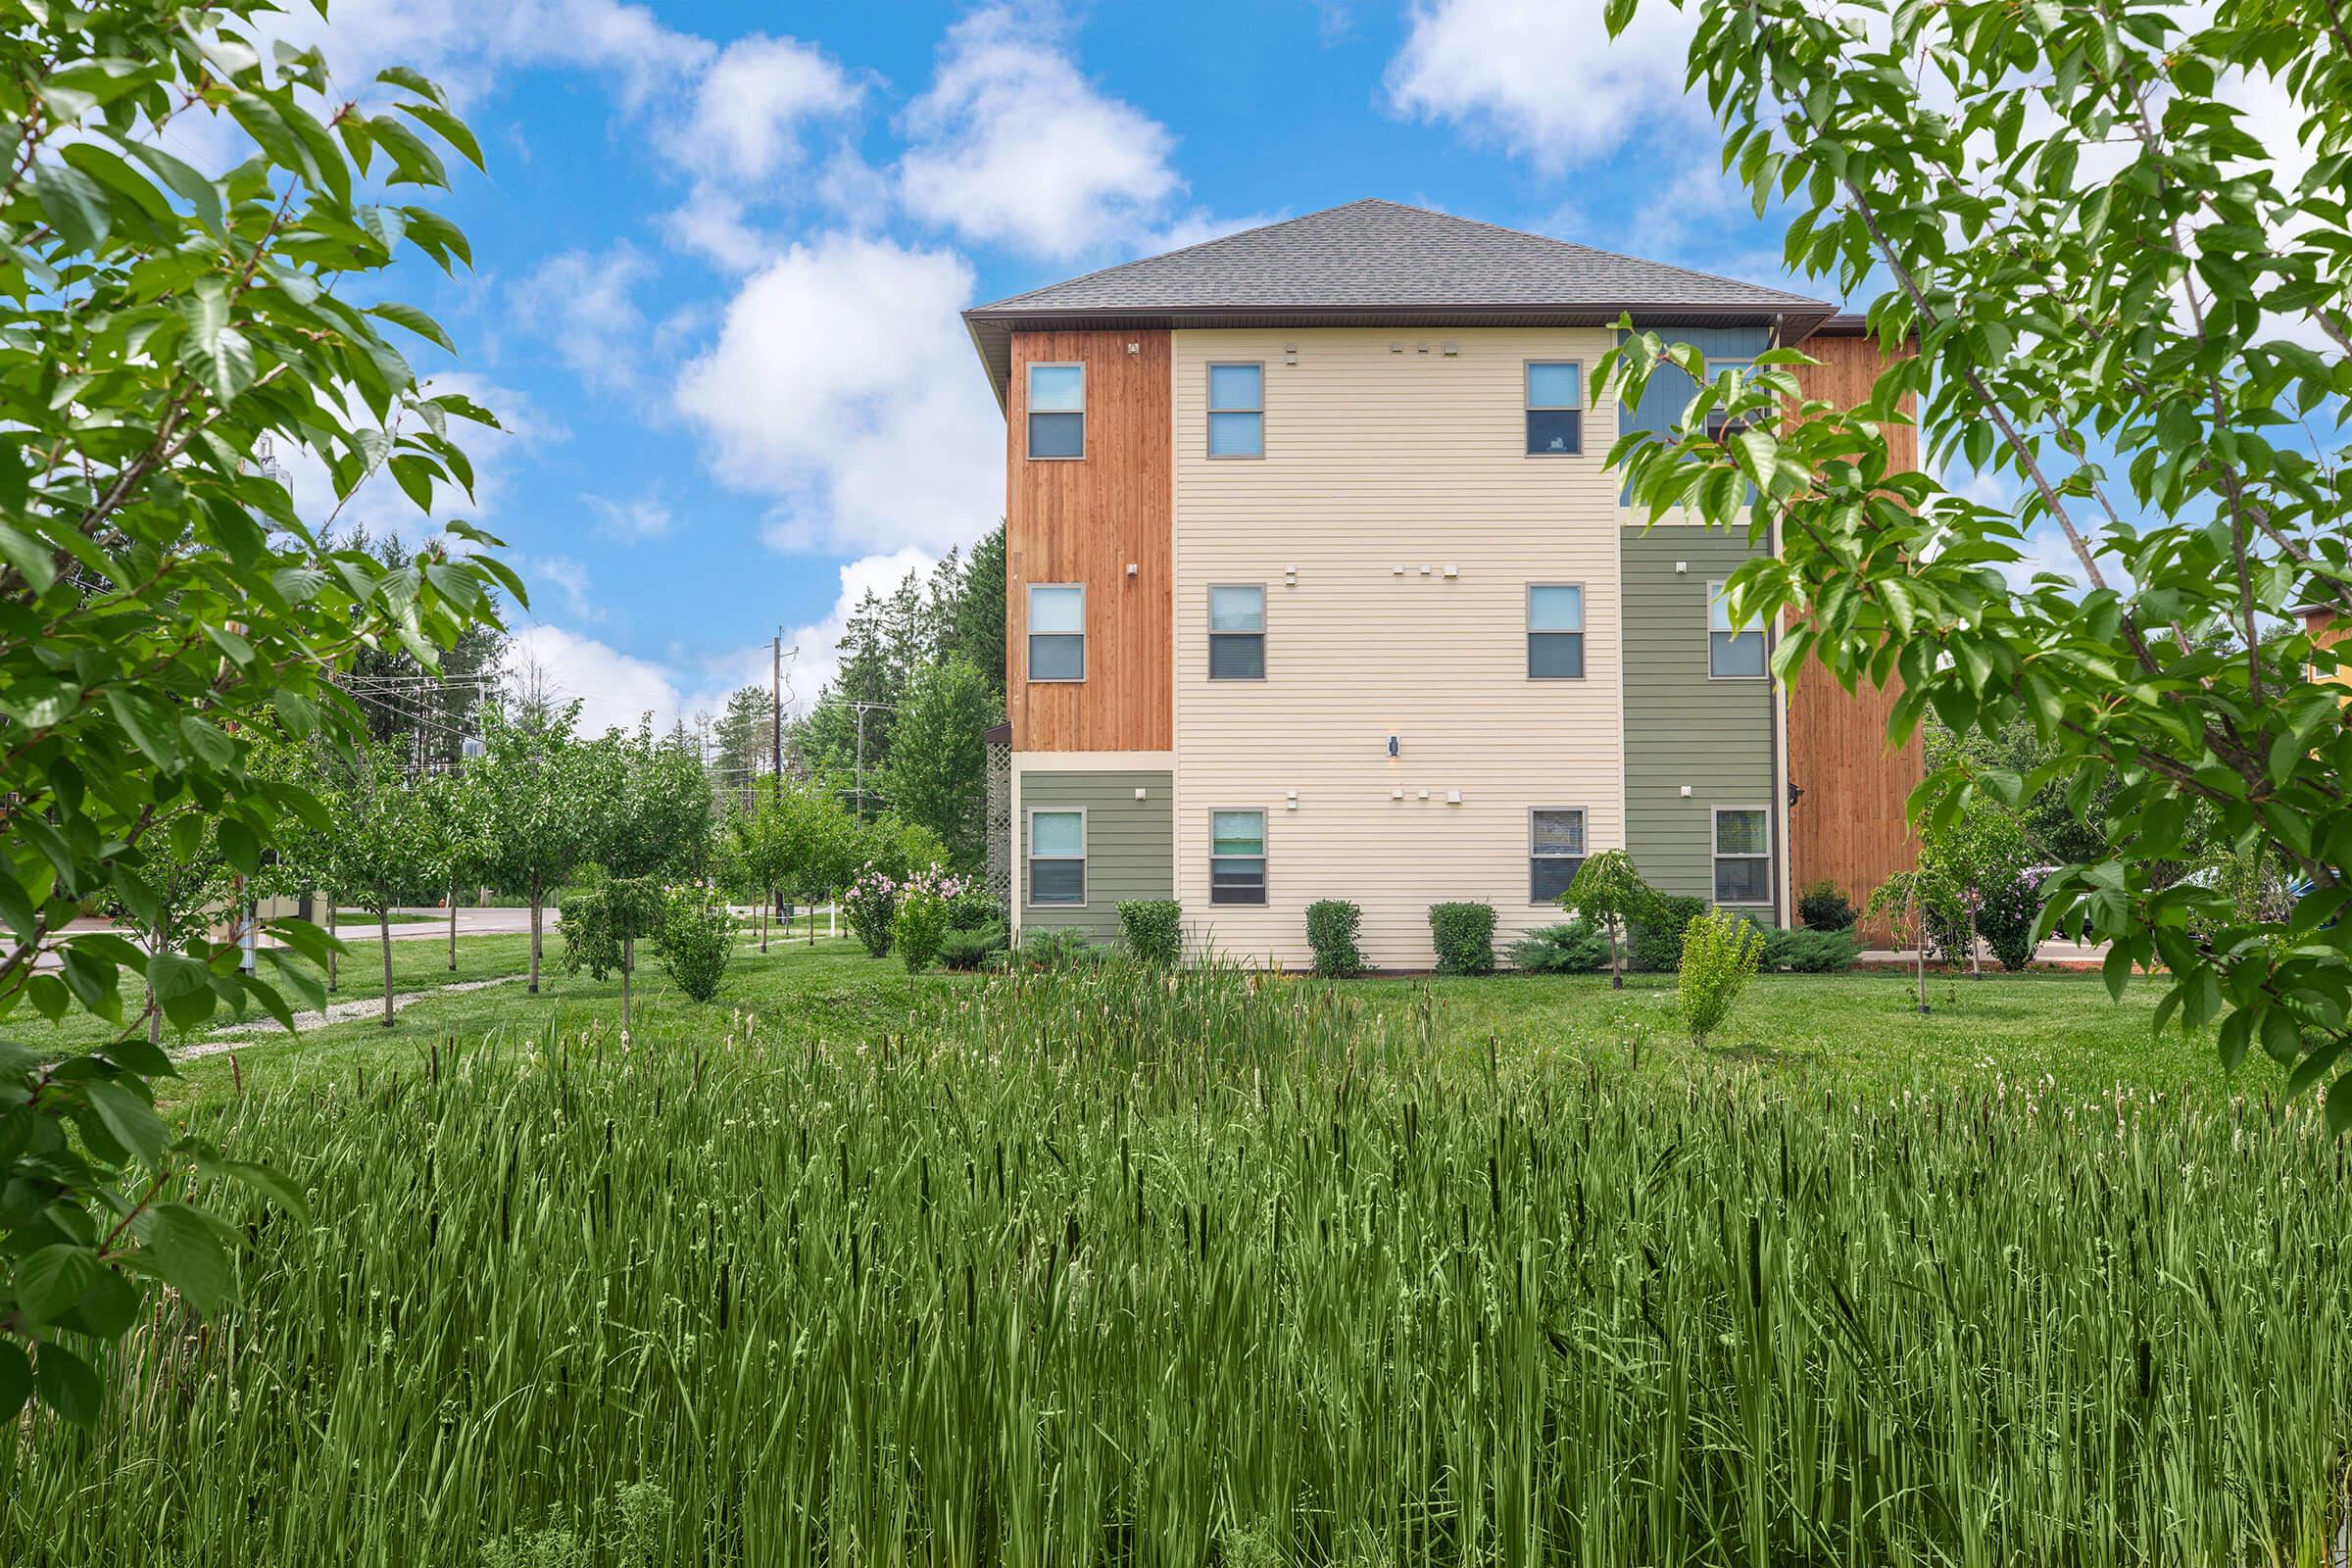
{"x": 1130, "y": 844}
{"x": 1682, "y": 728}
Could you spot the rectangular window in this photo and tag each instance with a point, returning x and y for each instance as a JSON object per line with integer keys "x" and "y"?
{"x": 1720, "y": 426}
{"x": 1057, "y": 411}
{"x": 1555, "y": 849}
{"x": 1555, "y": 408}
{"x": 1743, "y": 855}
{"x": 1056, "y": 632}
{"x": 1057, "y": 857}
{"x": 1733, "y": 653}
{"x": 1555, "y": 631}
{"x": 1237, "y": 632}
{"x": 1237, "y": 856}
{"x": 1237, "y": 410}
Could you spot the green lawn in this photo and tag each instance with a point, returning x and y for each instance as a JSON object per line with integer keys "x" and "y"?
{"x": 1855, "y": 1033}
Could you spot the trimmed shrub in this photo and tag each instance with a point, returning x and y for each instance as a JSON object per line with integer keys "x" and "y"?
{"x": 695, "y": 939}
{"x": 1330, "y": 928}
{"x": 1656, "y": 945}
{"x": 918, "y": 928}
{"x": 1464, "y": 936}
{"x": 975, "y": 908}
{"x": 1153, "y": 929}
{"x": 1720, "y": 952}
{"x": 971, "y": 950}
{"x": 1577, "y": 947}
{"x": 1810, "y": 952}
{"x": 1824, "y": 907}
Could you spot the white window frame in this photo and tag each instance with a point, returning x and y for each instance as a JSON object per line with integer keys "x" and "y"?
{"x": 1264, "y": 857}
{"x": 1027, "y": 381}
{"x": 1028, "y": 633}
{"x": 1582, "y": 633}
{"x": 1711, "y": 429}
{"x": 1030, "y": 857}
{"x": 1584, "y": 829}
{"x": 1211, "y": 411}
{"x": 1715, "y": 598}
{"x": 1716, "y": 856}
{"x": 1210, "y": 616}
{"x": 1527, "y": 405}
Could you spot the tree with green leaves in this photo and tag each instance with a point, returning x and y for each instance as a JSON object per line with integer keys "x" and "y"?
{"x": 1608, "y": 892}
{"x": 2135, "y": 312}
{"x": 382, "y": 848}
{"x": 540, "y": 810}
{"x": 654, "y": 814}
{"x": 454, "y": 810}
{"x": 939, "y": 767}
{"x": 163, "y": 611}
{"x": 601, "y": 923}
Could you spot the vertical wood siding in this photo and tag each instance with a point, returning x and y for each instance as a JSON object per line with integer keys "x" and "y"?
{"x": 1086, "y": 520}
{"x": 1375, "y": 460}
{"x": 1849, "y": 826}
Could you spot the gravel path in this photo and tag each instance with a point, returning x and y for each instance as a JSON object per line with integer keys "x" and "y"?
{"x": 230, "y": 1036}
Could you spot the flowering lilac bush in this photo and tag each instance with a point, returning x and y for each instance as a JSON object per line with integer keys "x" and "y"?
{"x": 926, "y": 904}
{"x": 870, "y": 906}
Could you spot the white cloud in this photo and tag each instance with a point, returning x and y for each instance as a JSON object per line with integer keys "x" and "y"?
{"x": 713, "y": 223}
{"x": 843, "y": 385}
{"x": 616, "y": 689}
{"x": 646, "y": 517}
{"x": 1544, "y": 76}
{"x": 567, "y": 576}
{"x": 583, "y": 305}
{"x": 464, "y": 44}
{"x": 1013, "y": 146}
{"x": 752, "y": 102}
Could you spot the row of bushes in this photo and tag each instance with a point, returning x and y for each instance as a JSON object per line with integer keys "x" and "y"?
{"x": 957, "y": 926}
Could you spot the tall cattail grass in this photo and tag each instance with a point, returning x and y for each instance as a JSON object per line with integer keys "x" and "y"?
{"x": 1132, "y": 1268}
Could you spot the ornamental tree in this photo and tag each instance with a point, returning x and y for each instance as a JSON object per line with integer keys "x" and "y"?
{"x": 1608, "y": 890}
{"x": 162, "y": 608}
{"x": 381, "y": 846}
{"x": 2133, "y": 311}
{"x": 539, "y": 800}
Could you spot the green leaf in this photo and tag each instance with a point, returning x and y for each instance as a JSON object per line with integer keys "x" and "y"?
{"x": 449, "y": 127}
{"x": 51, "y": 1279}
{"x": 148, "y": 723}
{"x": 32, "y": 561}
{"x": 40, "y": 702}
{"x": 417, "y": 322}
{"x": 184, "y": 182}
{"x": 188, "y": 1254}
{"x": 2116, "y": 970}
{"x": 2340, "y": 1106}
{"x": 74, "y": 204}
{"x": 224, "y": 367}
{"x": 132, "y": 1119}
{"x": 239, "y": 847}
{"x": 66, "y": 1384}
{"x": 270, "y": 1184}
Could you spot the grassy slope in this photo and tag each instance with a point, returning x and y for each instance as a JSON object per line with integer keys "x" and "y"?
{"x": 1854, "y": 1033}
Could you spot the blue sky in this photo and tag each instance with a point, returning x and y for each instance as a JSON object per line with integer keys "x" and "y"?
{"x": 721, "y": 247}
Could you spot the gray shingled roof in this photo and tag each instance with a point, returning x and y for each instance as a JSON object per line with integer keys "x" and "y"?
{"x": 1378, "y": 263}
{"x": 1375, "y": 253}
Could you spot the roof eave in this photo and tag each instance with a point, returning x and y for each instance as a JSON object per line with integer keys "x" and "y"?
{"x": 991, "y": 326}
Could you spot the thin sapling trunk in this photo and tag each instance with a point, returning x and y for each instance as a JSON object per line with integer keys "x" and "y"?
{"x": 331, "y": 949}
{"x": 453, "y": 925}
{"x": 383, "y": 929}
{"x": 538, "y": 896}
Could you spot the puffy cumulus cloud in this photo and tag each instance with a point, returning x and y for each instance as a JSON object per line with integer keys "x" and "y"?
{"x": 616, "y": 689}
{"x": 752, "y": 102}
{"x": 583, "y": 305}
{"x": 842, "y": 384}
{"x": 1543, "y": 77}
{"x": 1013, "y": 146}
{"x": 465, "y": 45}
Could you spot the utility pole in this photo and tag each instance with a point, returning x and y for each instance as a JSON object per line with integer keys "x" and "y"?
{"x": 775, "y": 711}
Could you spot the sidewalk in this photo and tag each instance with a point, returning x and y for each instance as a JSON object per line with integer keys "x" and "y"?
{"x": 2049, "y": 956}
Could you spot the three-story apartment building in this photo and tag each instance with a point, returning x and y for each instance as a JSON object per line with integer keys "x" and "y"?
{"x": 1320, "y": 586}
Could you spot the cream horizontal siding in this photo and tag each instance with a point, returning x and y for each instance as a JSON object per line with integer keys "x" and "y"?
{"x": 1373, "y": 461}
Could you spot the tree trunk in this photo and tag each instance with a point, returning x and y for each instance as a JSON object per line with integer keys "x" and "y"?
{"x": 538, "y": 897}
{"x": 1616, "y": 960}
{"x": 1919, "y": 954}
{"x": 383, "y": 928}
{"x": 771, "y": 892}
{"x": 453, "y": 925}
{"x": 331, "y": 950}
{"x": 628, "y": 962}
{"x": 1976, "y": 959}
